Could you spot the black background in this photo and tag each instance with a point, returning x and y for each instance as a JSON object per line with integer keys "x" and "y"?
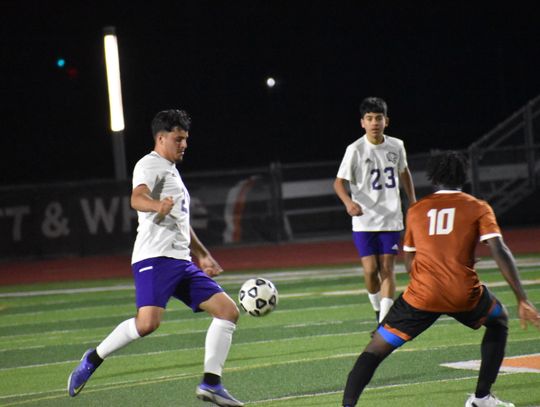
{"x": 450, "y": 71}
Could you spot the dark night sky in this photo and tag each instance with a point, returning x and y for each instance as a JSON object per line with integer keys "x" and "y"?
{"x": 449, "y": 73}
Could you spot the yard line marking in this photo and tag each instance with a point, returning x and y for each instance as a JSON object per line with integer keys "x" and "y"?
{"x": 289, "y": 295}
{"x": 282, "y": 275}
{"x": 265, "y": 341}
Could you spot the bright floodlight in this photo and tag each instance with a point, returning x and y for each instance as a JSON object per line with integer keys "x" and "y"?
{"x": 113, "y": 79}
{"x": 270, "y": 82}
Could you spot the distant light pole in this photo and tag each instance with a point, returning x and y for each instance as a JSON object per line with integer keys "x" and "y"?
{"x": 114, "y": 87}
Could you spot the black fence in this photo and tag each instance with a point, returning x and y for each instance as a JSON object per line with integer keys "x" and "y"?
{"x": 277, "y": 203}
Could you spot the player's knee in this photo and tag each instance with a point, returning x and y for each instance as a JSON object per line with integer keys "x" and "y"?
{"x": 147, "y": 326}
{"x": 371, "y": 275}
{"x": 498, "y": 316}
{"x": 386, "y": 271}
{"x": 227, "y": 311}
{"x": 231, "y": 313}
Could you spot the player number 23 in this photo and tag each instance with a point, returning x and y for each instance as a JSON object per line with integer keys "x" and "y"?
{"x": 441, "y": 221}
{"x": 389, "y": 178}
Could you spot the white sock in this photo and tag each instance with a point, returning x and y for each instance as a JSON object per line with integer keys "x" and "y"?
{"x": 124, "y": 333}
{"x": 375, "y": 300}
{"x": 386, "y": 304}
{"x": 217, "y": 345}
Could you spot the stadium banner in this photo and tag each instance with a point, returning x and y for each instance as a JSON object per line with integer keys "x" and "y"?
{"x": 95, "y": 217}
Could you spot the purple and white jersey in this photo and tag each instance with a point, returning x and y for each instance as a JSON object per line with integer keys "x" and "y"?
{"x": 169, "y": 236}
{"x": 373, "y": 174}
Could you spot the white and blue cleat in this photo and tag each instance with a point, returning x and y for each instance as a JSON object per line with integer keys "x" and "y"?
{"x": 217, "y": 395}
{"x": 80, "y": 375}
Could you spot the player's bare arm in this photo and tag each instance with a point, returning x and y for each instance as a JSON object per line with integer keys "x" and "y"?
{"x": 407, "y": 182}
{"x": 408, "y": 259}
{"x": 142, "y": 201}
{"x": 353, "y": 208}
{"x": 504, "y": 259}
{"x": 206, "y": 262}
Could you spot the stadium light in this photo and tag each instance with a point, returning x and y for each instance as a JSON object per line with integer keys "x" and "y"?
{"x": 270, "y": 82}
{"x": 112, "y": 63}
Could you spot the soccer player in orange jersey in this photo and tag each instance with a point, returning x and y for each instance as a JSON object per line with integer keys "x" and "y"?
{"x": 440, "y": 239}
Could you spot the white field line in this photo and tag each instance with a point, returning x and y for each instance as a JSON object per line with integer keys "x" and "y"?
{"x": 269, "y": 341}
{"x": 187, "y": 375}
{"x": 290, "y": 295}
{"x": 369, "y": 388}
{"x": 276, "y": 276}
{"x": 50, "y": 394}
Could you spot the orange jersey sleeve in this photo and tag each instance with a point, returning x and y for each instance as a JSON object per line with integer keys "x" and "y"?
{"x": 443, "y": 230}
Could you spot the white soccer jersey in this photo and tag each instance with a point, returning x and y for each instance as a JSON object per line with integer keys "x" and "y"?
{"x": 169, "y": 236}
{"x": 373, "y": 174}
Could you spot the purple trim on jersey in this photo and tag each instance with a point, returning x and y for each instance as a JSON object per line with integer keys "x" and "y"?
{"x": 160, "y": 278}
{"x": 373, "y": 243}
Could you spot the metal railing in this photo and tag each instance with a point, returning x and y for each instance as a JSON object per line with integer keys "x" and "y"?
{"x": 505, "y": 162}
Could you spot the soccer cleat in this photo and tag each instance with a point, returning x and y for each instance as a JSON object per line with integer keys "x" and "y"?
{"x": 80, "y": 375}
{"x": 489, "y": 401}
{"x": 217, "y": 395}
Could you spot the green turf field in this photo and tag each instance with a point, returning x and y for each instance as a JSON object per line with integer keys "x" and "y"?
{"x": 297, "y": 356}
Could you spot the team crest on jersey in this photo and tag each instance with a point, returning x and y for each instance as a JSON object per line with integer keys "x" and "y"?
{"x": 392, "y": 157}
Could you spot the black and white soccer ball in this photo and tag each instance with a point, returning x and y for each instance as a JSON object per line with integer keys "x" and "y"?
{"x": 258, "y": 296}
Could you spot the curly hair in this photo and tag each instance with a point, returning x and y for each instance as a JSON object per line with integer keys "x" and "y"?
{"x": 448, "y": 168}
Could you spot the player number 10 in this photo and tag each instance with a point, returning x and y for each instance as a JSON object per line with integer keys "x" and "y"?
{"x": 441, "y": 222}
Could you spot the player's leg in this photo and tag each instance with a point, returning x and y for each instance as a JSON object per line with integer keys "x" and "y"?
{"x": 370, "y": 266}
{"x": 403, "y": 323}
{"x": 146, "y": 321}
{"x": 388, "y": 249}
{"x": 367, "y": 247}
{"x": 217, "y": 345}
{"x": 388, "y": 283}
{"x": 490, "y": 313}
{"x": 202, "y": 293}
{"x": 151, "y": 303}
{"x": 219, "y": 336}
{"x": 364, "y": 368}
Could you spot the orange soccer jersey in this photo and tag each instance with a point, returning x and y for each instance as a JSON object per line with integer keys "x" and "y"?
{"x": 443, "y": 229}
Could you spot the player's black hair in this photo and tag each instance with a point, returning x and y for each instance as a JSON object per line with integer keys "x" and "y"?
{"x": 167, "y": 120}
{"x": 373, "y": 105}
{"x": 448, "y": 168}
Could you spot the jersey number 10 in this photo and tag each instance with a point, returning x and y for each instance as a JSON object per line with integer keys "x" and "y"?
{"x": 441, "y": 222}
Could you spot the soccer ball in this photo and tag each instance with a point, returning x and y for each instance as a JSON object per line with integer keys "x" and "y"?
{"x": 258, "y": 296}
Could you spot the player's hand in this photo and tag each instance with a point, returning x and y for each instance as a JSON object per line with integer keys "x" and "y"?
{"x": 528, "y": 314}
{"x": 354, "y": 209}
{"x": 165, "y": 207}
{"x": 210, "y": 266}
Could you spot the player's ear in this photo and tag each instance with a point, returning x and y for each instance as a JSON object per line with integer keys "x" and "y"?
{"x": 387, "y": 121}
{"x": 362, "y": 123}
{"x": 159, "y": 137}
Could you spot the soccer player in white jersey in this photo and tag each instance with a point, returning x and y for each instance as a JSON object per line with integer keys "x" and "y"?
{"x": 374, "y": 167}
{"x": 162, "y": 266}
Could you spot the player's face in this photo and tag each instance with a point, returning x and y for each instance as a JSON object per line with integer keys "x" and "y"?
{"x": 374, "y": 124}
{"x": 172, "y": 144}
